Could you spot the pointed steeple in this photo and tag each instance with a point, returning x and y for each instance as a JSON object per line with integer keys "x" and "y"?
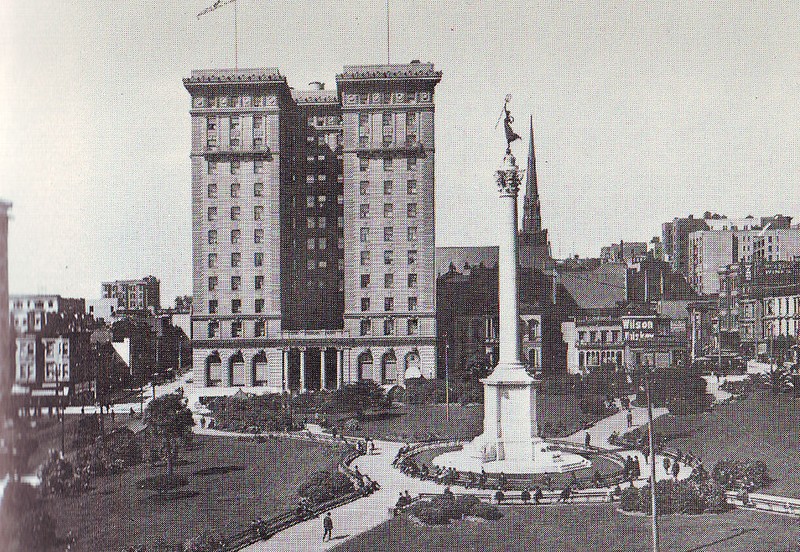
{"x": 531, "y": 208}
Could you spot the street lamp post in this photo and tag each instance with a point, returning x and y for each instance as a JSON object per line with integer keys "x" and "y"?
{"x": 652, "y": 461}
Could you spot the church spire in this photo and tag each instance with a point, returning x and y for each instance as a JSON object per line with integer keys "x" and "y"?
{"x": 531, "y": 208}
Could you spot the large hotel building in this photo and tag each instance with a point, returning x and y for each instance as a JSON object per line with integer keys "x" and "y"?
{"x": 313, "y": 227}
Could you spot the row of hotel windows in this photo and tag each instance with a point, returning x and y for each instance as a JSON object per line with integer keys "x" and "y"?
{"x": 388, "y": 163}
{"x": 236, "y": 189}
{"x": 388, "y": 304}
{"x": 236, "y": 236}
{"x": 236, "y": 212}
{"x": 388, "y": 257}
{"x": 388, "y": 280}
{"x": 388, "y": 210}
{"x": 235, "y": 130}
{"x": 236, "y": 167}
{"x": 365, "y": 327}
{"x": 213, "y": 281}
{"x": 388, "y": 234}
{"x": 236, "y": 306}
{"x": 388, "y": 186}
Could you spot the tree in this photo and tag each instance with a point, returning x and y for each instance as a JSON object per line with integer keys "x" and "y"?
{"x": 169, "y": 419}
{"x": 779, "y": 379}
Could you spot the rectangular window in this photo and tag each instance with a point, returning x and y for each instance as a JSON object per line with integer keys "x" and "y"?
{"x": 411, "y": 163}
{"x": 260, "y": 328}
{"x": 212, "y": 306}
{"x": 364, "y": 304}
{"x": 387, "y": 119}
{"x": 412, "y": 256}
{"x": 364, "y": 281}
{"x": 412, "y": 303}
{"x": 211, "y": 123}
{"x": 310, "y": 179}
{"x": 212, "y": 167}
{"x": 388, "y": 280}
{"x": 311, "y": 222}
{"x": 388, "y": 233}
{"x": 364, "y": 210}
{"x": 310, "y": 244}
{"x": 387, "y": 140}
{"x": 236, "y": 306}
{"x": 413, "y": 326}
{"x": 235, "y": 189}
{"x": 236, "y": 283}
{"x": 236, "y": 259}
{"x": 388, "y": 326}
{"x": 212, "y": 237}
{"x": 387, "y": 257}
{"x": 322, "y": 243}
{"x": 212, "y": 189}
{"x": 363, "y": 187}
{"x": 387, "y": 187}
{"x": 236, "y": 328}
{"x": 258, "y": 143}
{"x": 258, "y": 258}
{"x": 259, "y": 305}
{"x": 236, "y": 166}
{"x": 411, "y": 139}
{"x": 258, "y": 212}
{"x": 310, "y": 202}
{"x": 388, "y": 304}
{"x": 258, "y": 235}
{"x": 234, "y": 123}
{"x": 363, "y": 164}
{"x": 236, "y": 236}
{"x": 411, "y": 119}
{"x": 258, "y": 164}
{"x": 212, "y": 260}
{"x": 257, "y": 122}
{"x": 387, "y": 163}
{"x": 412, "y": 233}
{"x": 364, "y": 235}
{"x": 322, "y": 223}
{"x": 212, "y": 283}
{"x": 411, "y": 186}
{"x": 259, "y": 283}
{"x": 365, "y": 326}
{"x": 236, "y": 213}
{"x": 411, "y": 209}
{"x": 364, "y": 258}
{"x": 212, "y": 213}
{"x": 213, "y": 328}
{"x": 258, "y": 189}
{"x": 311, "y": 264}
{"x": 412, "y": 280}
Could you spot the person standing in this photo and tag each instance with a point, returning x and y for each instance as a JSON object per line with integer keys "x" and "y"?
{"x": 630, "y": 418}
{"x": 327, "y": 524}
{"x": 587, "y": 439}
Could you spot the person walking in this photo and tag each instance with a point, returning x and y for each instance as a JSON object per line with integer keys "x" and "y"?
{"x": 630, "y": 418}
{"x": 327, "y": 524}
{"x": 587, "y": 439}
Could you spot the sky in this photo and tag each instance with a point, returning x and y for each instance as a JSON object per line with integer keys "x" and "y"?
{"x": 642, "y": 112}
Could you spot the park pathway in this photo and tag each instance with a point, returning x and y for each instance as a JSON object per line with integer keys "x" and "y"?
{"x": 356, "y": 517}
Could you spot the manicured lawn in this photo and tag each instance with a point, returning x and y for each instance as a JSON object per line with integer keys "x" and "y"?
{"x": 764, "y": 427}
{"x": 466, "y": 421}
{"x": 231, "y": 482}
{"x": 585, "y": 527}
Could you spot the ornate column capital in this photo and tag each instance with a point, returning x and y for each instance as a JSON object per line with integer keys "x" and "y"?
{"x": 509, "y": 178}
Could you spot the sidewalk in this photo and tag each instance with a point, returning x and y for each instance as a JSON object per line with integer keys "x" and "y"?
{"x": 356, "y": 517}
{"x": 602, "y": 430}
